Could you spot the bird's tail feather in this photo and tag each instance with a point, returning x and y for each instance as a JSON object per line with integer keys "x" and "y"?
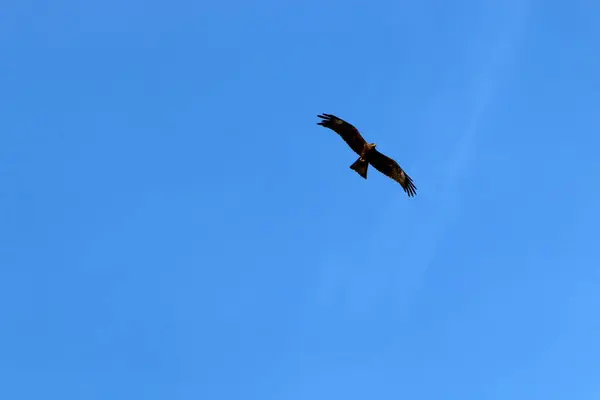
{"x": 361, "y": 167}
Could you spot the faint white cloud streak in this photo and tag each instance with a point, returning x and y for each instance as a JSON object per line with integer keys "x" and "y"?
{"x": 443, "y": 202}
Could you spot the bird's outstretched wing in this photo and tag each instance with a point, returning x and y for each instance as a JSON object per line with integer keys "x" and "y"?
{"x": 390, "y": 167}
{"x": 347, "y": 131}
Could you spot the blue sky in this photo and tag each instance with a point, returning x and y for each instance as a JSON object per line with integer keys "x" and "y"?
{"x": 174, "y": 224}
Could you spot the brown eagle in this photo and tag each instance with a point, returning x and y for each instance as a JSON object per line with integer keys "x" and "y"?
{"x": 367, "y": 153}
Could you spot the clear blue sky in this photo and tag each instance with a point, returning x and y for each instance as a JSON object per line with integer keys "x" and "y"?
{"x": 174, "y": 224}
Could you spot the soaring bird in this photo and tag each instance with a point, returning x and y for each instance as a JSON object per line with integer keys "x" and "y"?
{"x": 367, "y": 153}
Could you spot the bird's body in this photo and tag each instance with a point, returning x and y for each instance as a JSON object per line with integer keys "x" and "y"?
{"x": 367, "y": 153}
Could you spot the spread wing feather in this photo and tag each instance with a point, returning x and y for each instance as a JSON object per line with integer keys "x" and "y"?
{"x": 347, "y": 131}
{"x": 390, "y": 167}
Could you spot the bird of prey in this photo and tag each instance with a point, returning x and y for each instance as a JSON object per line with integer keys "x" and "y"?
{"x": 367, "y": 153}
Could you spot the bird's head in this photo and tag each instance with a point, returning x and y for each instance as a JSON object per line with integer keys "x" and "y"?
{"x": 373, "y": 145}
